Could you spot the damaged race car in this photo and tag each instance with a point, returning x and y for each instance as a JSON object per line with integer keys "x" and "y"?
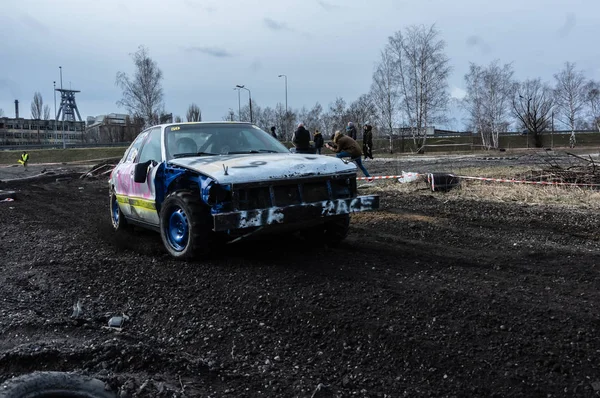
{"x": 204, "y": 183}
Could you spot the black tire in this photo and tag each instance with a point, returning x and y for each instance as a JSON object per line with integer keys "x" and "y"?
{"x": 117, "y": 218}
{"x": 185, "y": 225}
{"x": 331, "y": 233}
{"x": 53, "y": 385}
{"x": 336, "y": 230}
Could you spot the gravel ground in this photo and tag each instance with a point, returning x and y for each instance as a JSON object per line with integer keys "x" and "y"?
{"x": 427, "y": 297}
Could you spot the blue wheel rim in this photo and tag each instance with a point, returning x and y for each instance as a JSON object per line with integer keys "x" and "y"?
{"x": 177, "y": 229}
{"x": 115, "y": 210}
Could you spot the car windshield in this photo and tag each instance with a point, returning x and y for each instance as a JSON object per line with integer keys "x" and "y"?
{"x": 210, "y": 139}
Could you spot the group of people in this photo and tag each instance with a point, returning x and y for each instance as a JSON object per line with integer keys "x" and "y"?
{"x": 344, "y": 145}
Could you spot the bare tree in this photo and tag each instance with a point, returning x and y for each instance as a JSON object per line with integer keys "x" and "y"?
{"x": 312, "y": 118}
{"x": 1, "y": 113}
{"x": 37, "y": 106}
{"x": 532, "y": 106}
{"x": 489, "y": 100}
{"x": 46, "y": 112}
{"x": 178, "y": 119}
{"x": 421, "y": 72}
{"x": 569, "y": 96}
{"x": 337, "y": 109}
{"x": 592, "y": 97}
{"x": 142, "y": 93}
{"x": 194, "y": 114}
{"x": 384, "y": 92}
{"x": 362, "y": 110}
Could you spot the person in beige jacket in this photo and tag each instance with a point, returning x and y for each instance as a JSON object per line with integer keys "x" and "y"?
{"x": 346, "y": 147}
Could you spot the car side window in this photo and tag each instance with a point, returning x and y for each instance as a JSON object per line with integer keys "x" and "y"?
{"x": 151, "y": 148}
{"x": 135, "y": 147}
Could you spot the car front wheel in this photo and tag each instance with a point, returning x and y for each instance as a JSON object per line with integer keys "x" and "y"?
{"x": 185, "y": 226}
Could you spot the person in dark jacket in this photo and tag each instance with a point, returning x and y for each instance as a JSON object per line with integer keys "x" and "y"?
{"x": 368, "y": 141}
{"x": 346, "y": 147}
{"x": 351, "y": 131}
{"x": 301, "y": 140}
{"x": 273, "y": 132}
{"x": 318, "y": 139}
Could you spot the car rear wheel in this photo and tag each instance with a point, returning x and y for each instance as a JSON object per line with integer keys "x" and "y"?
{"x": 185, "y": 226}
{"x": 117, "y": 218}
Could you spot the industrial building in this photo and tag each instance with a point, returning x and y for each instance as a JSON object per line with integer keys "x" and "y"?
{"x": 21, "y": 131}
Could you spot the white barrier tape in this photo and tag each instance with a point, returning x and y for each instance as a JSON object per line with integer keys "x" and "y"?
{"x": 388, "y": 177}
{"x": 571, "y": 184}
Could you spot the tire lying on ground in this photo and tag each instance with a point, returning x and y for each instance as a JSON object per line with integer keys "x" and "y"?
{"x": 54, "y": 385}
{"x": 7, "y": 194}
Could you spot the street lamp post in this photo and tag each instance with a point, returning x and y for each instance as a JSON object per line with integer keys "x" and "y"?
{"x": 249, "y": 99}
{"x": 286, "y": 106}
{"x": 239, "y": 105}
{"x": 55, "y": 115}
{"x": 552, "y": 133}
{"x": 286, "y": 103}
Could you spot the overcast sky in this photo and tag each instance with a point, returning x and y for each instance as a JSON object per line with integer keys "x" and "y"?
{"x": 327, "y": 48}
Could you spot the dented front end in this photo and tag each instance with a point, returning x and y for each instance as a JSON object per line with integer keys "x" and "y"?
{"x": 259, "y": 204}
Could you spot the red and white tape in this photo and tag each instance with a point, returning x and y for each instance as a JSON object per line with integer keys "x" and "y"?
{"x": 388, "y": 177}
{"x": 571, "y": 184}
{"x": 407, "y": 175}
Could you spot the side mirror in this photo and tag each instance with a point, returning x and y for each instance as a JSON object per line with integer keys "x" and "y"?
{"x": 141, "y": 172}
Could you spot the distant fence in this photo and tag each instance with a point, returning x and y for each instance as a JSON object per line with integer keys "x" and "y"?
{"x": 60, "y": 146}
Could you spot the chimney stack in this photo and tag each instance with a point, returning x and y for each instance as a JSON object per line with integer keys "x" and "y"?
{"x": 16, "y": 109}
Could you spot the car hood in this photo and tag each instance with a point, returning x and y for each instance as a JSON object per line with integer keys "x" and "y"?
{"x": 231, "y": 169}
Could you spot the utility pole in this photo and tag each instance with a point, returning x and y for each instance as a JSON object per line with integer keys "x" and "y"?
{"x": 239, "y": 105}
{"x": 55, "y": 114}
{"x": 286, "y": 104}
{"x": 552, "y": 133}
{"x": 249, "y": 99}
{"x": 63, "y": 111}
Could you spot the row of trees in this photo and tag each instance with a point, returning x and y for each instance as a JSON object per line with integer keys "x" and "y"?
{"x": 495, "y": 100}
{"x": 409, "y": 90}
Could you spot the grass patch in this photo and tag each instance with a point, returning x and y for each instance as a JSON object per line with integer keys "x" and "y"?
{"x": 560, "y": 196}
{"x": 62, "y": 155}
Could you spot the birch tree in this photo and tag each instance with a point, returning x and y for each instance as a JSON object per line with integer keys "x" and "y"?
{"x": 194, "y": 114}
{"x": 489, "y": 100}
{"x": 421, "y": 73}
{"x": 592, "y": 98}
{"x": 46, "y": 112}
{"x": 532, "y": 107}
{"x": 384, "y": 93}
{"x": 142, "y": 93}
{"x": 569, "y": 97}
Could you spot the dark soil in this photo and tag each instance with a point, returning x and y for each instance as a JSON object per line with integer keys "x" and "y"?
{"x": 427, "y": 297}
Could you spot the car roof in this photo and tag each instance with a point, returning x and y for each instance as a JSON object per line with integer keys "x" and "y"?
{"x": 215, "y": 122}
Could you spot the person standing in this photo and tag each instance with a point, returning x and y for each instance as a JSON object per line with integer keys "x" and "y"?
{"x": 346, "y": 147}
{"x": 24, "y": 159}
{"x": 351, "y": 131}
{"x": 368, "y": 141}
{"x": 273, "y": 132}
{"x": 301, "y": 140}
{"x": 318, "y": 139}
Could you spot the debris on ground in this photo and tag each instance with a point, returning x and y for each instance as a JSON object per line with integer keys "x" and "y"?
{"x": 442, "y": 181}
{"x": 99, "y": 170}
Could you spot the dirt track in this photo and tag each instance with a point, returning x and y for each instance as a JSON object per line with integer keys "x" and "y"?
{"x": 428, "y": 297}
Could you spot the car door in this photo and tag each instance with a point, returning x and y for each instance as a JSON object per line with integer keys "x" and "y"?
{"x": 123, "y": 178}
{"x": 142, "y": 198}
